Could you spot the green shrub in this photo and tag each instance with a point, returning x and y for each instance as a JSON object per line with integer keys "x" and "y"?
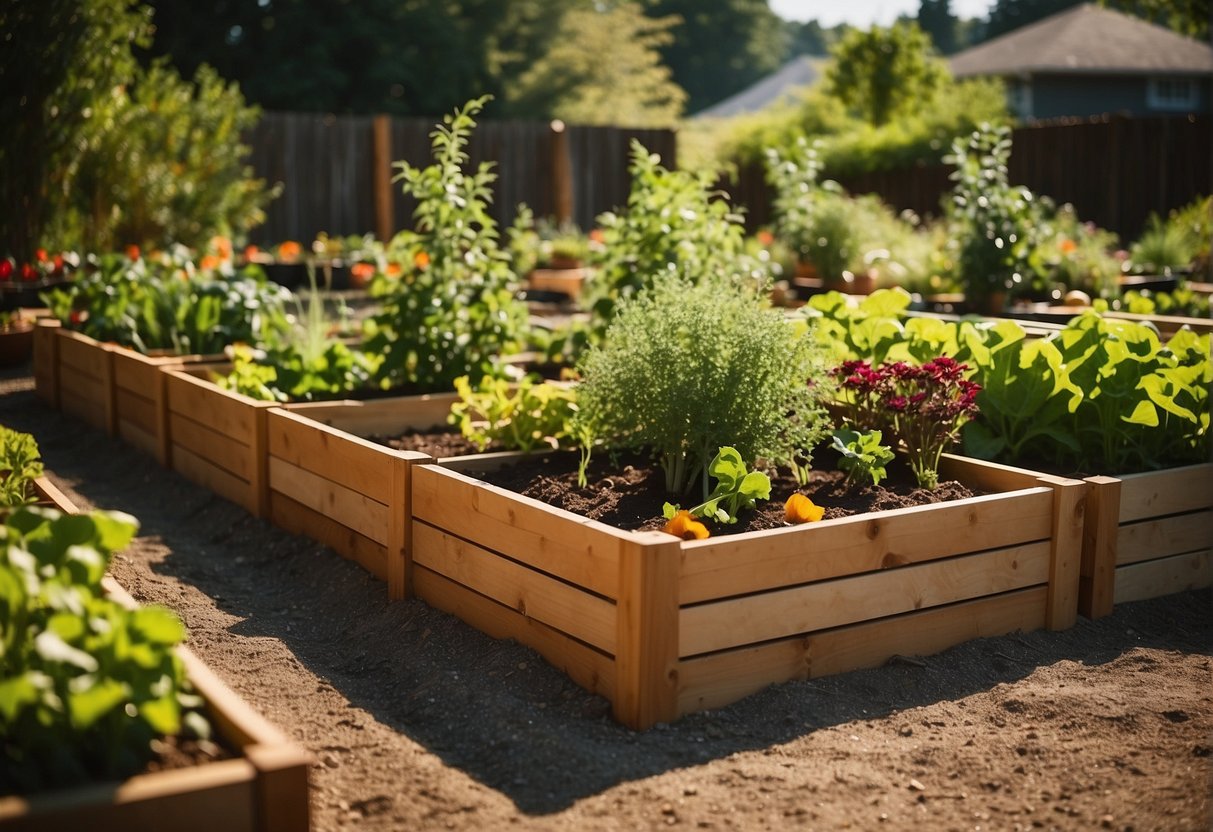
{"x": 453, "y": 312}
{"x": 85, "y": 684}
{"x": 992, "y": 222}
{"x": 164, "y": 165}
{"x": 1165, "y": 245}
{"x": 674, "y": 223}
{"x": 688, "y": 368}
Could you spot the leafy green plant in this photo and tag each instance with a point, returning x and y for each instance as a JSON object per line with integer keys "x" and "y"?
{"x": 992, "y": 222}
{"x": 1102, "y": 395}
{"x": 688, "y": 368}
{"x": 674, "y": 223}
{"x": 20, "y": 465}
{"x": 863, "y": 456}
{"x": 167, "y": 302}
{"x": 795, "y": 176}
{"x": 85, "y": 684}
{"x": 453, "y": 312}
{"x": 289, "y": 373}
{"x": 1164, "y": 246}
{"x": 1182, "y": 301}
{"x": 1079, "y": 255}
{"x": 737, "y": 489}
{"x": 520, "y": 415}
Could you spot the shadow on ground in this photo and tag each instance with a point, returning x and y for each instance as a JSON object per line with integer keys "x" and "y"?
{"x": 492, "y": 709}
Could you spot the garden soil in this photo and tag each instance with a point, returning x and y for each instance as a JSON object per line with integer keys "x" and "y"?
{"x": 417, "y": 721}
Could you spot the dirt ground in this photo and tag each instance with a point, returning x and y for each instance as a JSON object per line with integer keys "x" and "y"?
{"x": 418, "y": 721}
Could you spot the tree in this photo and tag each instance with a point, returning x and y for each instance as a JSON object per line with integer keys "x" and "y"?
{"x": 603, "y": 67}
{"x": 1009, "y": 15}
{"x": 721, "y": 47}
{"x": 1188, "y": 17}
{"x": 808, "y": 38}
{"x": 935, "y": 18}
{"x": 60, "y": 61}
{"x": 880, "y": 73}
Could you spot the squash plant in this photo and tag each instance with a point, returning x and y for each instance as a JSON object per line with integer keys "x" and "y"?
{"x": 85, "y": 683}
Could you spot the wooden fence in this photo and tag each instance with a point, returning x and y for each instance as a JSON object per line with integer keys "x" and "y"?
{"x": 336, "y": 170}
{"x": 1115, "y": 172}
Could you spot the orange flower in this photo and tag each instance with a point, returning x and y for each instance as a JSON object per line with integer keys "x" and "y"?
{"x": 765, "y": 238}
{"x": 222, "y": 246}
{"x": 361, "y": 274}
{"x": 251, "y": 252}
{"x": 685, "y": 526}
{"x": 421, "y": 259}
{"x": 800, "y": 509}
{"x": 289, "y": 251}
{"x": 597, "y": 236}
{"x": 394, "y": 269}
{"x": 1068, "y": 245}
{"x": 132, "y": 252}
{"x": 209, "y": 262}
{"x": 41, "y": 255}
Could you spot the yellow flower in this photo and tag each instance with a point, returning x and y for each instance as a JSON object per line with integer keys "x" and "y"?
{"x": 800, "y": 509}
{"x": 685, "y": 526}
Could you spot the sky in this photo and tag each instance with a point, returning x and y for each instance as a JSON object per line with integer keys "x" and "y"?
{"x": 863, "y": 13}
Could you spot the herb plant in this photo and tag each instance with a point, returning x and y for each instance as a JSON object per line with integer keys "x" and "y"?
{"x": 453, "y": 311}
{"x": 518, "y": 416}
{"x": 863, "y": 456}
{"x": 20, "y": 465}
{"x": 85, "y": 684}
{"x": 737, "y": 489}
{"x": 688, "y": 368}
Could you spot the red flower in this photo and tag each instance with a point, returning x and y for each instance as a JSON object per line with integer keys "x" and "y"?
{"x": 28, "y": 272}
{"x": 40, "y": 255}
{"x": 6, "y": 269}
{"x": 132, "y": 252}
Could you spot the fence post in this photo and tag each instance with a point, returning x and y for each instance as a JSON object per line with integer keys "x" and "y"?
{"x": 381, "y": 176}
{"x": 562, "y": 173}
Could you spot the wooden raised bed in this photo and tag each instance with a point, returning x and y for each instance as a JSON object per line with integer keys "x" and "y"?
{"x": 663, "y": 627}
{"x": 326, "y": 481}
{"x": 85, "y": 379}
{"x": 1146, "y": 535}
{"x": 266, "y": 788}
{"x": 263, "y": 790}
{"x": 141, "y": 400}
{"x": 217, "y": 438}
{"x": 46, "y": 360}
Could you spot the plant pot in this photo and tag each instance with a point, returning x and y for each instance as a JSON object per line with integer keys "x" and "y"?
{"x": 1146, "y": 535}
{"x": 662, "y": 627}
{"x": 16, "y": 342}
{"x": 566, "y": 282}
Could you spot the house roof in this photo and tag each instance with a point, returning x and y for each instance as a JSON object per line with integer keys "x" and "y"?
{"x": 1086, "y": 39}
{"x": 798, "y": 72}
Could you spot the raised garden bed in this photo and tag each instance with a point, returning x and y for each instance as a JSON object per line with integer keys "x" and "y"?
{"x": 663, "y": 627}
{"x": 217, "y": 438}
{"x": 114, "y": 388}
{"x": 1147, "y": 535}
{"x": 264, "y": 788}
{"x": 46, "y": 360}
{"x": 327, "y": 481}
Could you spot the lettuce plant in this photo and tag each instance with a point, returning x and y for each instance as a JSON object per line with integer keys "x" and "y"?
{"x": 20, "y": 465}
{"x": 519, "y": 415}
{"x": 85, "y": 683}
{"x": 862, "y": 455}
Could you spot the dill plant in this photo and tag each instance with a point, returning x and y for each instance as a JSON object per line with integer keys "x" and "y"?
{"x": 689, "y": 367}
